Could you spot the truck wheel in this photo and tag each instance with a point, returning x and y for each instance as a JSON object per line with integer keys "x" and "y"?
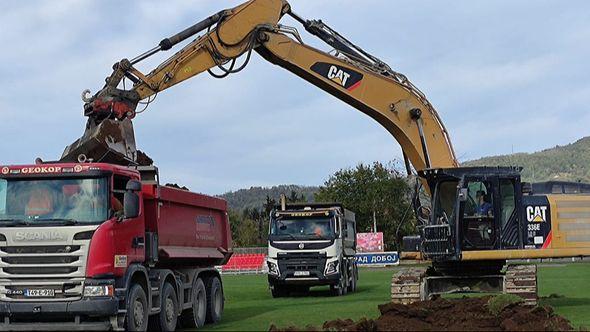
{"x": 340, "y": 288}
{"x": 137, "y": 310}
{"x": 335, "y": 290}
{"x": 215, "y": 300}
{"x": 168, "y": 316}
{"x": 344, "y": 280}
{"x": 352, "y": 285}
{"x": 195, "y": 316}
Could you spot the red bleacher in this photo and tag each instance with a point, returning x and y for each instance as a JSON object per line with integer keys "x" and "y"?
{"x": 245, "y": 262}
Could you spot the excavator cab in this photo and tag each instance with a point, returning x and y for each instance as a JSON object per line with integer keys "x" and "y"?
{"x": 472, "y": 208}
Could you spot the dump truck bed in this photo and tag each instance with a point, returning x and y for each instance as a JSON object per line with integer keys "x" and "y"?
{"x": 193, "y": 229}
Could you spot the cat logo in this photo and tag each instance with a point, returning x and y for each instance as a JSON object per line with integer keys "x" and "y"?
{"x": 536, "y": 213}
{"x": 338, "y": 75}
{"x": 344, "y": 77}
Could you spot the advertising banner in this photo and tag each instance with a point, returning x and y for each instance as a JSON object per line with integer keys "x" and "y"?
{"x": 369, "y": 242}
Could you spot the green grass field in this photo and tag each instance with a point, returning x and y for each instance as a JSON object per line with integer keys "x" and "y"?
{"x": 249, "y": 305}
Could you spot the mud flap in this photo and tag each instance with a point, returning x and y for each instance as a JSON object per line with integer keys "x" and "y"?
{"x": 111, "y": 141}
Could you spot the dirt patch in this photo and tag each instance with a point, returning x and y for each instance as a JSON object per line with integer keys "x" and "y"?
{"x": 466, "y": 314}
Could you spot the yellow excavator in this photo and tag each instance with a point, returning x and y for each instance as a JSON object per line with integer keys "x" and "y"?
{"x": 477, "y": 217}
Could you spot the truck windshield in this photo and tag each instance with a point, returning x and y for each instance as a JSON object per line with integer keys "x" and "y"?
{"x": 302, "y": 228}
{"x": 38, "y": 202}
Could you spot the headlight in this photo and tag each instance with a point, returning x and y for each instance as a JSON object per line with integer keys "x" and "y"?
{"x": 273, "y": 268}
{"x": 331, "y": 268}
{"x": 102, "y": 290}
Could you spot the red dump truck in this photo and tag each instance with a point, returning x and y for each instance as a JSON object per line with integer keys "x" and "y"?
{"x": 92, "y": 246}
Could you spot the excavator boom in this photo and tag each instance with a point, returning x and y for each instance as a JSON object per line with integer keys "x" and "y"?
{"x": 349, "y": 73}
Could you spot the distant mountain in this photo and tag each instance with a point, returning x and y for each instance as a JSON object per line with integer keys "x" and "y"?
{"x": 567, "y": 163}
{"x": 255, "y": 197}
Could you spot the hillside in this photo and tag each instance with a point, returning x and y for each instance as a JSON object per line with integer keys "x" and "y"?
{"x": 568, "y": 163}
{"x": 256, "y": 196}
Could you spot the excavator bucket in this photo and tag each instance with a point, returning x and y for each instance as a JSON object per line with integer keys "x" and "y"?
{"x": 111, "y": 141}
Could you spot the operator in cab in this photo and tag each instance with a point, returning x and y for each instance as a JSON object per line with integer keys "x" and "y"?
{"x": 484, "y": 207}
{"x": 41, "y": 201}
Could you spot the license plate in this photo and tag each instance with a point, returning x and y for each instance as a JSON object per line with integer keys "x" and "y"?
{"x": 39, "y": 292}
{"x": 301, "y": 273}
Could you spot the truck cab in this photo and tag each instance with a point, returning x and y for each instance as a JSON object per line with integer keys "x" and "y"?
{"x": 311, "y": 245}
{"x": 96, "y": 246}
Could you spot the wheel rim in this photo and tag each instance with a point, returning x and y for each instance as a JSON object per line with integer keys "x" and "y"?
{"x": 202, "y": 303}
{"x": 138, "y": 313}
{"x": 169, "y": 307}
{"x": 218, "y": 301}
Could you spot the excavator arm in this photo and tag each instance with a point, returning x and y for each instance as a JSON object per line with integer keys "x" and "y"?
{"x": 349, "y": 73}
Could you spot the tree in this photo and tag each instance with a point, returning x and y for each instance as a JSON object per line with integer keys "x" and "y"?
{"x": 295, "y": 198}
{"x": 244, "y": 230}
{"x": 373, "y": 190}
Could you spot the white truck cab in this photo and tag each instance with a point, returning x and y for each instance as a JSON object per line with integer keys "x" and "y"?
{"x": 311, "y": 244}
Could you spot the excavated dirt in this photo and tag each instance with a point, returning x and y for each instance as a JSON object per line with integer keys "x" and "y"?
{"x": 466, "y": 314}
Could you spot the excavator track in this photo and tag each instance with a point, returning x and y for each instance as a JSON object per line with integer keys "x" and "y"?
{"x": 411, "y": 284}
{"x": 521, "y": 280}
{"x": 407, "y": 285}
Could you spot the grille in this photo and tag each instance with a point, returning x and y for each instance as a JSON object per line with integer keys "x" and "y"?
{"x": 43, "y": 265}
{"x": 40, "y": 249}
{"x": 44, "y": 270}
{"x": 47, "y": 261}
{"x": 292, "y": 262}
{"x": 302, "y": 267}
{"x": 437, "y": 241}
{"x": 40, "y": 260}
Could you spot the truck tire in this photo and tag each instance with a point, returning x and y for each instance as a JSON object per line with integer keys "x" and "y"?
{"x": 215, "y": 300}
{"x": 168, "y": 316}
{"x": 196, "y": 315}
{"x": 335, "y": 290}
{"x": 353, "y": 279}
{"x": 137, "y": 310}
{"x": 340, "y": 288}
{"x": 345, "y": 280}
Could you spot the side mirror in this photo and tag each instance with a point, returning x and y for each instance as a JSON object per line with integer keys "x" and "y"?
{"x": 133, "y": 185}
{"x": 463, "y": 194}
{"x": 131, "y": 205}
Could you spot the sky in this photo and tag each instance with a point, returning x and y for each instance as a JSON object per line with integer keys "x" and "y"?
{"x": 504, "y": 76}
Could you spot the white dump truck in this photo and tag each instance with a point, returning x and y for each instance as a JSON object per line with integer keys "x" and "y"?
{"x": 311, "y": 244}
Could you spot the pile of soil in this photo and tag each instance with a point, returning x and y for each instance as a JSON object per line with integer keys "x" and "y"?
{"x": 466, "y": 314}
